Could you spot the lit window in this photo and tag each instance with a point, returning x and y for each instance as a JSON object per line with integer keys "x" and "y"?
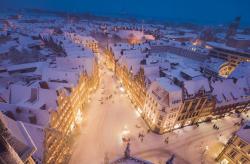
{"x": 232, "y": 154}
{"x": 243, "y": 160}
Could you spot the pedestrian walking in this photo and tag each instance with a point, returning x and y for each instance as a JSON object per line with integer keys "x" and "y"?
{"x": 166, "y": 140}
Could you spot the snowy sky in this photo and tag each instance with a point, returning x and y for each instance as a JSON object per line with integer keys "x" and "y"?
{"x": 198, "y": 11}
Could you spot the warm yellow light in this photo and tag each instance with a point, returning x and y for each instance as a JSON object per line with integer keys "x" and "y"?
{"x": 139, "y": 110}
{"x": 72, "y": 126}
{"x": 224, "y": 161}
{"x": 122, "y": 89}
{"x": 78, "y": 118}
{"x": 124, "y": 134}
{"x": 137, "y": 113}
{"x": 177, "y": 126}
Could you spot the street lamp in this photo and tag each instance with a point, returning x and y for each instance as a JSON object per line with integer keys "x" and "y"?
{"x": 122, "y": 89}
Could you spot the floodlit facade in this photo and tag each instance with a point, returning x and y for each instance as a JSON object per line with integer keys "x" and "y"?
{"x": 237, "y": 149}
{"x": 233, "y": 55}
{"x": 84, "y": 40}
{"x": 171, "y": 107}
{"x": 162, "y": 105}
{"x": 125, "y": 61}
{"x": 63, "y": 124}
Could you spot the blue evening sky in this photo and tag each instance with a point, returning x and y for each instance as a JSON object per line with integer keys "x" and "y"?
{"x": 196, "y": 11}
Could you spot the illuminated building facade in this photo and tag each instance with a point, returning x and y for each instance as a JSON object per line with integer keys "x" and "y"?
{"x": 59, "y": 136}
{"x": 230, "y": 54}
{"x": 163, "y": 102}
{"x": 134, "y": 84}
{"x": 195, "y": 109}
{"x": 110, "y": 60}
{"x": 168, "y": 106}
{"x": 237, "y": 150}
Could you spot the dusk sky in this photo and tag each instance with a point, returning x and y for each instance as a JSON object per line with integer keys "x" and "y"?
{"x": 197, "y": 11}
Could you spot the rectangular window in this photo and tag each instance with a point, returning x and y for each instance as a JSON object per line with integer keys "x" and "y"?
{"x": 232, "y": 154}
{"x": 193, "y": 105}
{"x": 244, "y": 160}
{"x": 241, "y": 144}
{"x": 201, "y": 103}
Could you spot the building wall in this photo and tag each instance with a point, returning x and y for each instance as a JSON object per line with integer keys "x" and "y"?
{"x": 59, "y": 136}
{"x": 193, "y": 54}
{"x": 236, "y": 151}
{"x": 109, "y": 59}
{"x": 234, "y": 58}
{"x": 160, "y": 118}
{"x": 240, "y": 107}
{"x": 187, "y": 112}
{"x": 194, "y": 110}
{"x": 133, "y": 84}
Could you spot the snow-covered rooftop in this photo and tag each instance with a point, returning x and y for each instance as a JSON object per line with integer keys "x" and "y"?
{"x": 226, "y": 47}
{"x": 4, "y": 48}
{"x": 165, "y": 91}
{"x": 21, "y": 140}
{"x": 34, "y": 98}
{"x": 213, "y": 64}
{"x": 227, "y": 91}
{"x": 196, "y": 84}
{"x": 37, "y": 133}
{"x": 241, "y": 70}
{"x": 244, "y": 132}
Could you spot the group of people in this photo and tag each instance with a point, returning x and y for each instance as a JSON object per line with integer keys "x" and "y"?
{"x": 166, "y": 140}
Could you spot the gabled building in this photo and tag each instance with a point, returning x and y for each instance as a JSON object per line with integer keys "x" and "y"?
{"x": 198, "y": 102}
{"x": 162, "y": 105}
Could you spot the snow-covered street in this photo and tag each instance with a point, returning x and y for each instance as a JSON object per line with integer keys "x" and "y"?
{"x": 110, "y": 116}
{"x": 104, "y": 123}
{"x": 124, "y": 82}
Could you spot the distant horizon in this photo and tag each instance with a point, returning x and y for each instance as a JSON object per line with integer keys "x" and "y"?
{"x": 193, "y": 11}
